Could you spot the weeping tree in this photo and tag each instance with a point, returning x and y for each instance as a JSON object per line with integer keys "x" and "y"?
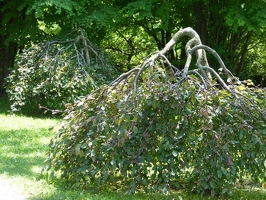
{"x": 158, "y": 128}
{"x": 57, "y": 72}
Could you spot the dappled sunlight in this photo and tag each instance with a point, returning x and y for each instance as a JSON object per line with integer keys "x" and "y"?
{"x": 19, "y": 154}
{"x": 10, "y": 190}
{"x": 17, "y": 122}
{"x": 44, "y": 140}
{"x": 36, "y": 169}
{"x": 20, "y": 188}
{"x": 23, "y": 143}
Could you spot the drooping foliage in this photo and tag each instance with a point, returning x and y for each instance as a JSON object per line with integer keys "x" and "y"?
{"x": 58, "y": 72}
{"x": 149, "y": 130}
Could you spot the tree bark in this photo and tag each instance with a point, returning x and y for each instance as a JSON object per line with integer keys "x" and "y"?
{"x": 243, "y": 53}
{"x": 201, "y": 23}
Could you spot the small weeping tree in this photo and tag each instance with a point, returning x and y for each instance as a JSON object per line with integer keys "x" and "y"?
{"x": 159, "y": 128}
{"x": 57, "y": 72}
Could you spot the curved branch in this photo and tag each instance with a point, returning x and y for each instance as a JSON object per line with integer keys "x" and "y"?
{"x": 215, "y": 54}
{"x": 147, "y": 63}
{"x": 195, "y": 71}
{"x": 183, "y": 32}
{"x": 86, "y": 51}
{"x": 195, "y": 40}
{"x": 189, "y": 56}
{"x": 122, "y": 77}
{"x": 220, "y": 80}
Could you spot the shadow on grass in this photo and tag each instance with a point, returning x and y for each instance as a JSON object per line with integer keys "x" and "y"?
{"x": 4, "y": 105}
{"x": 21, "y": 152}
{"x": 68, "y": 194}
{"x": 71, "y": 194}
{"x": 27, "y": 110}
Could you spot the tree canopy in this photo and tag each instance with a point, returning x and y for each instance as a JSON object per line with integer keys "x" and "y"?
{"x": 233, "y": 28}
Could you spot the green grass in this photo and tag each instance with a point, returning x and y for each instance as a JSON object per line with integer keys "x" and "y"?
{"x": 23, "y": 143}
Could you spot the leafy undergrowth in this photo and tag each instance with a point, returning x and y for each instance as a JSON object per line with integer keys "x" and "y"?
{"x": 24, "y": 141}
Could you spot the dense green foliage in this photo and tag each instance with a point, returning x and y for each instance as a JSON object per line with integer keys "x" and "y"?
{"x": 162, "y": 136}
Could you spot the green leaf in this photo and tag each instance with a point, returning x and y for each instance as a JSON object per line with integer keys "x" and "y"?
{"x": 219, "y": 174}
{"x": 224, "y": 171}
{"x": 135, "y": 129}
{"x": 175, "y": 153}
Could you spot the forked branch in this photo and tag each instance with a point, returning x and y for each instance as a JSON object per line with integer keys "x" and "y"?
{"x": 193, "y": 46}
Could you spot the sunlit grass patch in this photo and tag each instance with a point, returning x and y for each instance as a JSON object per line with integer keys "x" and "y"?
{"x": 23, "y": 143}
{"x": 9, "y": 122}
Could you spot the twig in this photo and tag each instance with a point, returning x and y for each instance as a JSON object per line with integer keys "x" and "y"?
{"x": 48, "y": 109}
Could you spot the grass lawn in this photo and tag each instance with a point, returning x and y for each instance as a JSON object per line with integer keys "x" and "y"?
{"x": 23, "y": 143}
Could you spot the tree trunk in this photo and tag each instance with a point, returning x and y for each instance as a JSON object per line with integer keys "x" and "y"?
{"x": 8, "y": 46}
{"x": 243, "y": 53}
{"x": 7, "y": 57}
{"x": 201, "y": 23}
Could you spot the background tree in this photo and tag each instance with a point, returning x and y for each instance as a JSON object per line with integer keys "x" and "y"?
{"x": 231, "y": 27}
{"x": 14, "y": 27}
